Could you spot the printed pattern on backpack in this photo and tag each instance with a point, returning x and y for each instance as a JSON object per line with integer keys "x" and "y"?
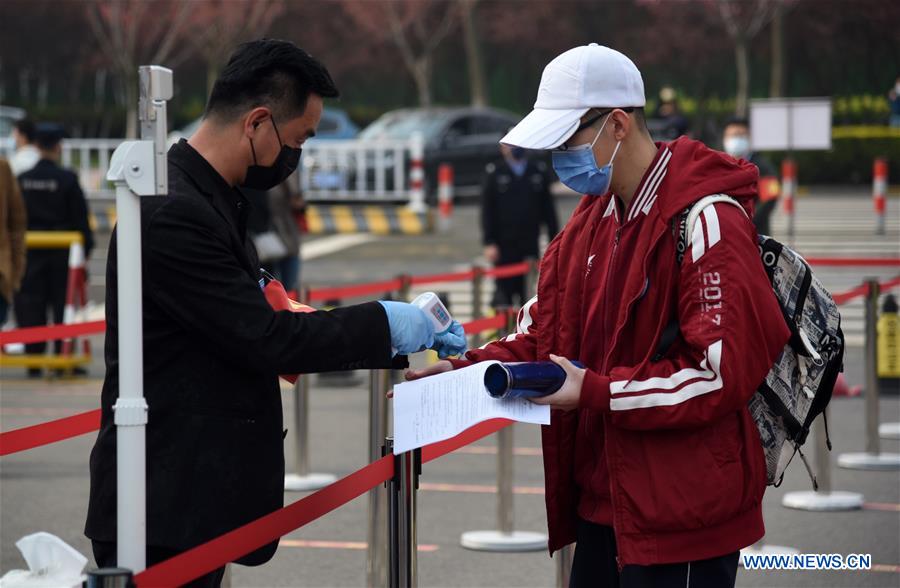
{"x": 799, "y": 385}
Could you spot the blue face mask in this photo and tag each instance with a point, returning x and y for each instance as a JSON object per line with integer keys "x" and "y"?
{"x": 577, "y": 168}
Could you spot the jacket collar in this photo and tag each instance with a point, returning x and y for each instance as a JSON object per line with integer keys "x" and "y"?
{"x": 229, "y": 202}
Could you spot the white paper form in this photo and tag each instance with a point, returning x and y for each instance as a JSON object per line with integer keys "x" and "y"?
{"x": 444, "y": 405}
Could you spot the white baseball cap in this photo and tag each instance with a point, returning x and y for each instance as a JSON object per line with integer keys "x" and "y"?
{"x": 590, "y": 76}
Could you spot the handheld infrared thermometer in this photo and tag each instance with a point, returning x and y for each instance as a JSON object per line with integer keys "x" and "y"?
{"x": 436, "y": 311}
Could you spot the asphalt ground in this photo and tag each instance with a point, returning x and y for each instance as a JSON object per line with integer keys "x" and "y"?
{"x": 46, "y": 488}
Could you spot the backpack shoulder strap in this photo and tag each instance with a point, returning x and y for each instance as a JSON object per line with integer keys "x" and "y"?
{"x": 694, "y": 213}
{"x": 688, "y": 218}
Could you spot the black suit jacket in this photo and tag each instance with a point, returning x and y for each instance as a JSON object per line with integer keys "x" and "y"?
{"x": 213, "y": 349}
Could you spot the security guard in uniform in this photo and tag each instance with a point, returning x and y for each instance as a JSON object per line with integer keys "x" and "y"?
{"x": 515, "y": 202}
{"x": 54, "y": 202}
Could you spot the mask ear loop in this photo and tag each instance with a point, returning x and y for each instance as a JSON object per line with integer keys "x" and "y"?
{"x": 600, "y": 132}
{"x": 618, "y": 143}
{"x": 616, "y": 150}
{"x": 252, "y": 150}
{"x": 277, "y": 134}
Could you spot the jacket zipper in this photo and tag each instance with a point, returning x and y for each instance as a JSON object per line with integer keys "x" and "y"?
{"x": 609, "y": 462}
{"x": 589, "y": 420}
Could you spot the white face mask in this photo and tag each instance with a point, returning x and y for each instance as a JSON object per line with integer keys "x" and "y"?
{"x": 738, "y": 146}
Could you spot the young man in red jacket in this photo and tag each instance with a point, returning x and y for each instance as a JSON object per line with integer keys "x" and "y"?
{"x": 652, "y": 465}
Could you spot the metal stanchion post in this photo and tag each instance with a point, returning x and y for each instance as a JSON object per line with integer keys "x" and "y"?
{"x": 504, "y": 538}
{"x": 303, "y": 480}
{"x": 564, "y": 566}
{"x": 393, "y": 527}
{"x": 824, "y": 498}
{"x": 109, "y": 578}
{"x": 873, "y": 458}
{"x": 402, "y": 508}
{"x": 376, "y": 553}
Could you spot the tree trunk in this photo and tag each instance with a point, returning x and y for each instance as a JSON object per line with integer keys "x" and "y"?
{"x": 776, "y": 81}
{"x": 742, "y": 65}
{"x": 477, "y": 85}
{"x": 422, "y": 76}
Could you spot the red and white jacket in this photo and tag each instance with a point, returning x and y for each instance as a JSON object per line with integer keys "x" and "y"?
{"x": 665, "y": 452}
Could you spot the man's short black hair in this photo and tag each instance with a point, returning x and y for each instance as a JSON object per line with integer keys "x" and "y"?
{"x": 738, "y": 121}
{"x": 25, "y": 127}
{"x": 641, "y": 119}
{"x": 272, "y": 73}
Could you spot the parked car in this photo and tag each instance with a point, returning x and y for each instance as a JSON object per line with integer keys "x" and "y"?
{"x": 466, "y": 138}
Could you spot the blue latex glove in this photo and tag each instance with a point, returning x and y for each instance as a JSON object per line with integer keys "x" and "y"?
{"x": 411, "y": 329}
{"x": 451, "y": 342}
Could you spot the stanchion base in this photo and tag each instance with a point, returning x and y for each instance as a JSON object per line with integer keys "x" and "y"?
{"x": 889, "y": 431}
{"x": 295, "y": 483}
{"x": 504, "y": 542}
{"x": 766, "y": 549}
{"x": 820, "y": 501}
{"x": 870, "y": 461}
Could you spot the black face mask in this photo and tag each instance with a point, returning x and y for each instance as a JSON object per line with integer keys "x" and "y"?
{"x": 267, "y": 177}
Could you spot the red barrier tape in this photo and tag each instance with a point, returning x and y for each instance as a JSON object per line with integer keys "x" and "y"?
{"x": 855, "y": 261}
{"x": 485, "y": 324}
{"x": 470, "y": 435}
{"x": 508, "y": 271}
{"x": 434, "y": 278}
{"x": 354, "y": 291}
{"x": 226, "y": 548}
{"x": 232, "y": 545}
{"x": 47, "y": 433}
{"x": 38, "y": 334}
{"x": 863, "y": 290}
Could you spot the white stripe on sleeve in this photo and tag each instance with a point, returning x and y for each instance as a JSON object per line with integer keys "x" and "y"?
{"x": 703, "y": 386}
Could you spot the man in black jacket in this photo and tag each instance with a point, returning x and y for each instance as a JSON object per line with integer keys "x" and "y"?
{"x": 54, "y": 202}
{"x": 213, "y": 348}
{"x": 515, "y": 202}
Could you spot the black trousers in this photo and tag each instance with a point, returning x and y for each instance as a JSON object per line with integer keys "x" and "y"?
{"x": 509, "y": 292}
{"x": 43, "y": 288}
{"x": 595, "y": 566}
{"x": 105, "y": 556}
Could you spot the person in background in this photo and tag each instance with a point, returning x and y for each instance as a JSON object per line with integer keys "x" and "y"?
{"x": 736, "y": 142}
{"x": 894, "y": 99}
{"x": 515, "y": 202}
{"x": 671, "y": 122}
{"x": 26, "y": 154}
{"x": 12, "y": 237}
{"x": 276, "y": 235}
{"x": 55, "y": 202}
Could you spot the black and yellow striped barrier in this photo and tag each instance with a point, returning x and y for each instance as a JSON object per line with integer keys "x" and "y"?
{"x": 331, "y": 218}
{"x": 377, "y": 219}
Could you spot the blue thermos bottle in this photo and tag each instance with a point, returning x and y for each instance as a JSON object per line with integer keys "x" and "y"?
{"x": 527, "y": 379}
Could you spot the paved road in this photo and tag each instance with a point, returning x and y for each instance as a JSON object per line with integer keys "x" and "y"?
{"x": 46, "y": 488}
